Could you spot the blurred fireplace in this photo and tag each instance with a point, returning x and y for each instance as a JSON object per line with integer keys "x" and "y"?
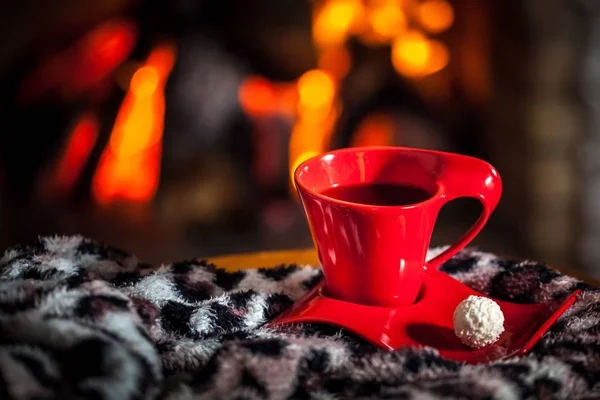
{"x": 200, "y": 126}
{"x": 200, "y": 114}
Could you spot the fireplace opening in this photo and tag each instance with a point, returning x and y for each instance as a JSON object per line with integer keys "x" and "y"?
{"x": 173, "y": 129}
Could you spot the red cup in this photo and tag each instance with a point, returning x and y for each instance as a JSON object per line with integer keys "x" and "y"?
{"x": 375, "y": 255}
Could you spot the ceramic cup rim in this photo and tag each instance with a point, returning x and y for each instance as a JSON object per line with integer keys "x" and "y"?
{"x": 302, "y": 187}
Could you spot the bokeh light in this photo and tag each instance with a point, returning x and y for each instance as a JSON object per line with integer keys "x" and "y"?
{"x": 336, "y": 61}
{"x": 256, "y": 96}
{"x": 376, "y": 129}
{"x": 334, "y": 21}
{"x": 387, "y": 19}
{"x": 411, "y": 54}
{"x": 435, "y": 16}
{"x": 316, "y": 89}
{"x": 439, "y": 55}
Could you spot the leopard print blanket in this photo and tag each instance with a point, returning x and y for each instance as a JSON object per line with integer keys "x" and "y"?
{"x": 82, "y": 320}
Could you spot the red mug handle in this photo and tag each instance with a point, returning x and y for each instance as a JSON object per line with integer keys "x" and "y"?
{"x": 464, "y": 176}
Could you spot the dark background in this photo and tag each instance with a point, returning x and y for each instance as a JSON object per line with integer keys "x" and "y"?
{"x": 169, "y": 129}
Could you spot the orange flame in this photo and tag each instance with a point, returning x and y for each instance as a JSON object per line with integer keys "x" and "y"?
{"x": 130, "y": 166}
{"x": 80, "y": 143}
{"x": 375, "y": 23}
{"x": 77, "y": 152}
{"x": 316, "y": 117}
{"x": 84, "y": 64}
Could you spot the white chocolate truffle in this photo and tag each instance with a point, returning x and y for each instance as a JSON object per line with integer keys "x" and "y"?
{"x": 478, "y": 321}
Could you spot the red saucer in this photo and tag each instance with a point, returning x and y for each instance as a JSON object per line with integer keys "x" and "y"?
{"x": 429, "y": 322}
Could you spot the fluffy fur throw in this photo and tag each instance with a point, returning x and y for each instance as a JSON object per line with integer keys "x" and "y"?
{"x": 82, "y": 320}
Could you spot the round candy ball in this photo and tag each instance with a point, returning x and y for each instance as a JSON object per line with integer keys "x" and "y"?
{"x": 478, "y": 321}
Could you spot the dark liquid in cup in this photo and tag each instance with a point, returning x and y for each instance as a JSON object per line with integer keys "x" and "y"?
{"x": 378, "y": 194}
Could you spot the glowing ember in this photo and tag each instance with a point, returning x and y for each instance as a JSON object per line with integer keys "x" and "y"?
{"x": 130, "y": 166}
